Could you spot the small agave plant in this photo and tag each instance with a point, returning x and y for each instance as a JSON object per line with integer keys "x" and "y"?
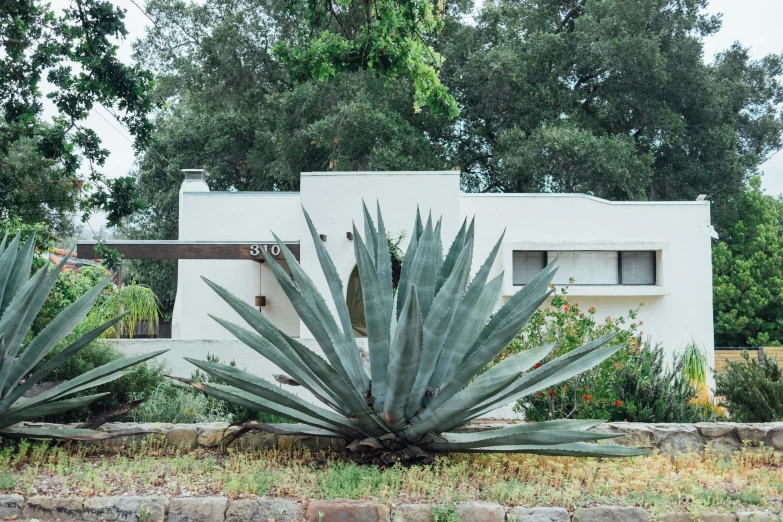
{"x": 428, "y": 343}
{"x": 24, "y": 395}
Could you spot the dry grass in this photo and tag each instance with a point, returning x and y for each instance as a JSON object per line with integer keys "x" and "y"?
{"x": 750, "y": 480}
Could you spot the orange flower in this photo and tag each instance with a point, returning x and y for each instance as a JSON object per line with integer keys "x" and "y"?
{"x": 567, "y": 307}
{"x": 537, "y": 366}
{"x": 552, "y": 393}
{"x": 586, "y": 397}
{"x": 618, "y": 403}
{"x": 591, "y": 310}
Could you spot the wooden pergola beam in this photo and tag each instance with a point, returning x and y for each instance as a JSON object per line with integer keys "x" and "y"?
{"x": 188, "y": 250}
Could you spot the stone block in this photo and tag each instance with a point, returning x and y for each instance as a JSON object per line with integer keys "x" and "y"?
{"x": 286, "y": 442}
{"x": 185, "y": 437}
{"x": 675, "y": 517}
{"x": 346, "y": 511}
{"x": 263, "y": 510}
{"x": 717, "y": 517}
{"x": 50, "y": 508}
{"x": 752, "y": 434}
{"x": 481, "y": 512}
{"x": 635, "y": 435}
{"x": 11, "y": 506}
{"x": 677, "y": 438}
{"x": 538, "y": 514}
{"x": 210, "y": 435}
{"x": 207, "y": 509}
{"x": 414, "y": 513}
{"x": 775, "y": 437}
{"x": 612, "y": 514}
{"x": 753, "y": 516}
{"x": 712, "y": 430}
{"x": 125, "y": 509}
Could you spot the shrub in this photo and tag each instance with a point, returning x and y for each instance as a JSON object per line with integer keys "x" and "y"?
{"x": 751, "y": 391}
{"x": 634, "y": 384}
{"x": 169, "y": 402}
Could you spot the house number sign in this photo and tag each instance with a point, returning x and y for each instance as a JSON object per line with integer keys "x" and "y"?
{"x": 274, "y": 249}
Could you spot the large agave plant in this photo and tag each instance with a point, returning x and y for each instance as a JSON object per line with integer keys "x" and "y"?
{"x": 24, "y": 394}
{"x": 428, "y": 343}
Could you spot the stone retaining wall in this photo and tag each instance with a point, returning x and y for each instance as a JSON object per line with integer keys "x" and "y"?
{"x": 725, "y": 436}
{"x": 220, "y": 509}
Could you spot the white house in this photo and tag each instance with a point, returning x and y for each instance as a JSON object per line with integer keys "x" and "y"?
{"x": 619, "y": 253}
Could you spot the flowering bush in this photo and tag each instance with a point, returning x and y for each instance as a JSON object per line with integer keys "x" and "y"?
{"x": 633, "y": 385}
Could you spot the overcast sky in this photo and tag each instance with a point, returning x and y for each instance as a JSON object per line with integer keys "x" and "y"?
{"x": 754, "y": 23}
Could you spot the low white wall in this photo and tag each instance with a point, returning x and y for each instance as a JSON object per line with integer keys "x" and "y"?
{"x": 232, "y": 349}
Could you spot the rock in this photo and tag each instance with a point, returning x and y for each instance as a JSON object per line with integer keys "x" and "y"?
{"x": 125, "y": 509}
{"x": 11, "y": 506}
{"x": 751, "y": 434}
{"x": 346, "y": 511}
{"x": 285, "y": 442}
{"x": 725, "y": 445}
{"x": 677, "y": 438}
{"x": 675, "y": 517}
{"x": 183, "y": 437}
{"x": 635, "y": 435}
{"x": 539, "y": 514}
{"x": 712, "y": 430}
{"x": 210, "y": 435}
{"x": 775, "y": 437}
{"x": 481, "y": 512}
{"x": 255, "y": 440}
{"x": 337, "y": 444}
{"x": 262, "y": 510}
{"x": 207, "y": 509}
{"x": 611, "y": 514}
{"x": 717, "y": 517}
{"x": 50, "y": 507}
{"x": 753, "y": 516}
{"x": 414, "y": 513}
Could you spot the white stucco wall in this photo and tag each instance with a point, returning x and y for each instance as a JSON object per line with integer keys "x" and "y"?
{"x": 245, "y": 217}
{"x": 677, "y": 310}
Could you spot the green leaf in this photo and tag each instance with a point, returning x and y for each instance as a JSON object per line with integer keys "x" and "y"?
{"x": 576, "y": 449}
{"x": 451, "y": 257}
{"x": 404, "y": 357}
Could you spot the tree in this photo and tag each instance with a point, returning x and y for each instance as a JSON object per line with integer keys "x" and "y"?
{"x": 608, "y": 97}
{"x": 40, "y": 161}
{"x": 747, "y": 269}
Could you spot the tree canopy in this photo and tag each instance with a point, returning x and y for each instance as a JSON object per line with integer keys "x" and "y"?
{"x": 40, "y": 161}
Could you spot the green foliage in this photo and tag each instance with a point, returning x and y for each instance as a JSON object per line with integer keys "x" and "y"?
{"x": 634, "y": 384}
{"x": 748, "y": 273}
{"x": 751, "y": 391}
{"x": 391, "y": 38}
{"x": 168, "y": 402}
{"x": 695, "y": 365}
{"x": 21, "y": 298}
{"x": 74, "y": 49}
{"x": 421, "y": 366}
{"x": 136, "y": 302}
{"x": 69, "y": 286}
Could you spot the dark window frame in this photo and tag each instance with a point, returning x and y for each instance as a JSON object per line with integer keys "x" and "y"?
{"x": 619, "y": 266}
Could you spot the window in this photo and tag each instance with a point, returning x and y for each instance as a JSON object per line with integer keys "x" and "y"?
{"x": 638, "y": 268}
{"x": 588, "y": 267}
{"x": 527, "y": 265}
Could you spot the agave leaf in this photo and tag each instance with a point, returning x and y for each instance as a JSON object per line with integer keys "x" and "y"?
{"x": 473, "y": 313}
{"x": 320, "y": 322}
{"x": 50, "y": 408}
{"x": 522, "y": 308}
{"x": 403, "y": 284}
{"x": 370, "y": 233}
{"x": 496, "y": 379}
{"x": 285, "y": 361}
{"x": 7, "y": 261}
{"x": 3, "y": 242}
{"x": 252, "y": 384}
{"x": 576, "y": 449}
{"x": 54, "y": 332}
{"x": 25, "y": 432}
{"x": 254, "y": 402}
{"x": 332, "y": 379}
{"x": 289, "y": 429}
{"x": 524, "y": 438}
{"x": 383, "y": 266}
{"x": 89, "y": 379}
{"x": 335, "y": 285}
{"x": 404, "y": 357}
{"x": 451, "y": 257}
{"x": 19, "y": 272}
{"x": 551, "y": 373}
{"x": 437, "y": 326}
{"x": 55, "y": 362}
{"x": 376, "y": 319}
{"x": 422, "y": 270}
{"x": 438, "y": 251}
